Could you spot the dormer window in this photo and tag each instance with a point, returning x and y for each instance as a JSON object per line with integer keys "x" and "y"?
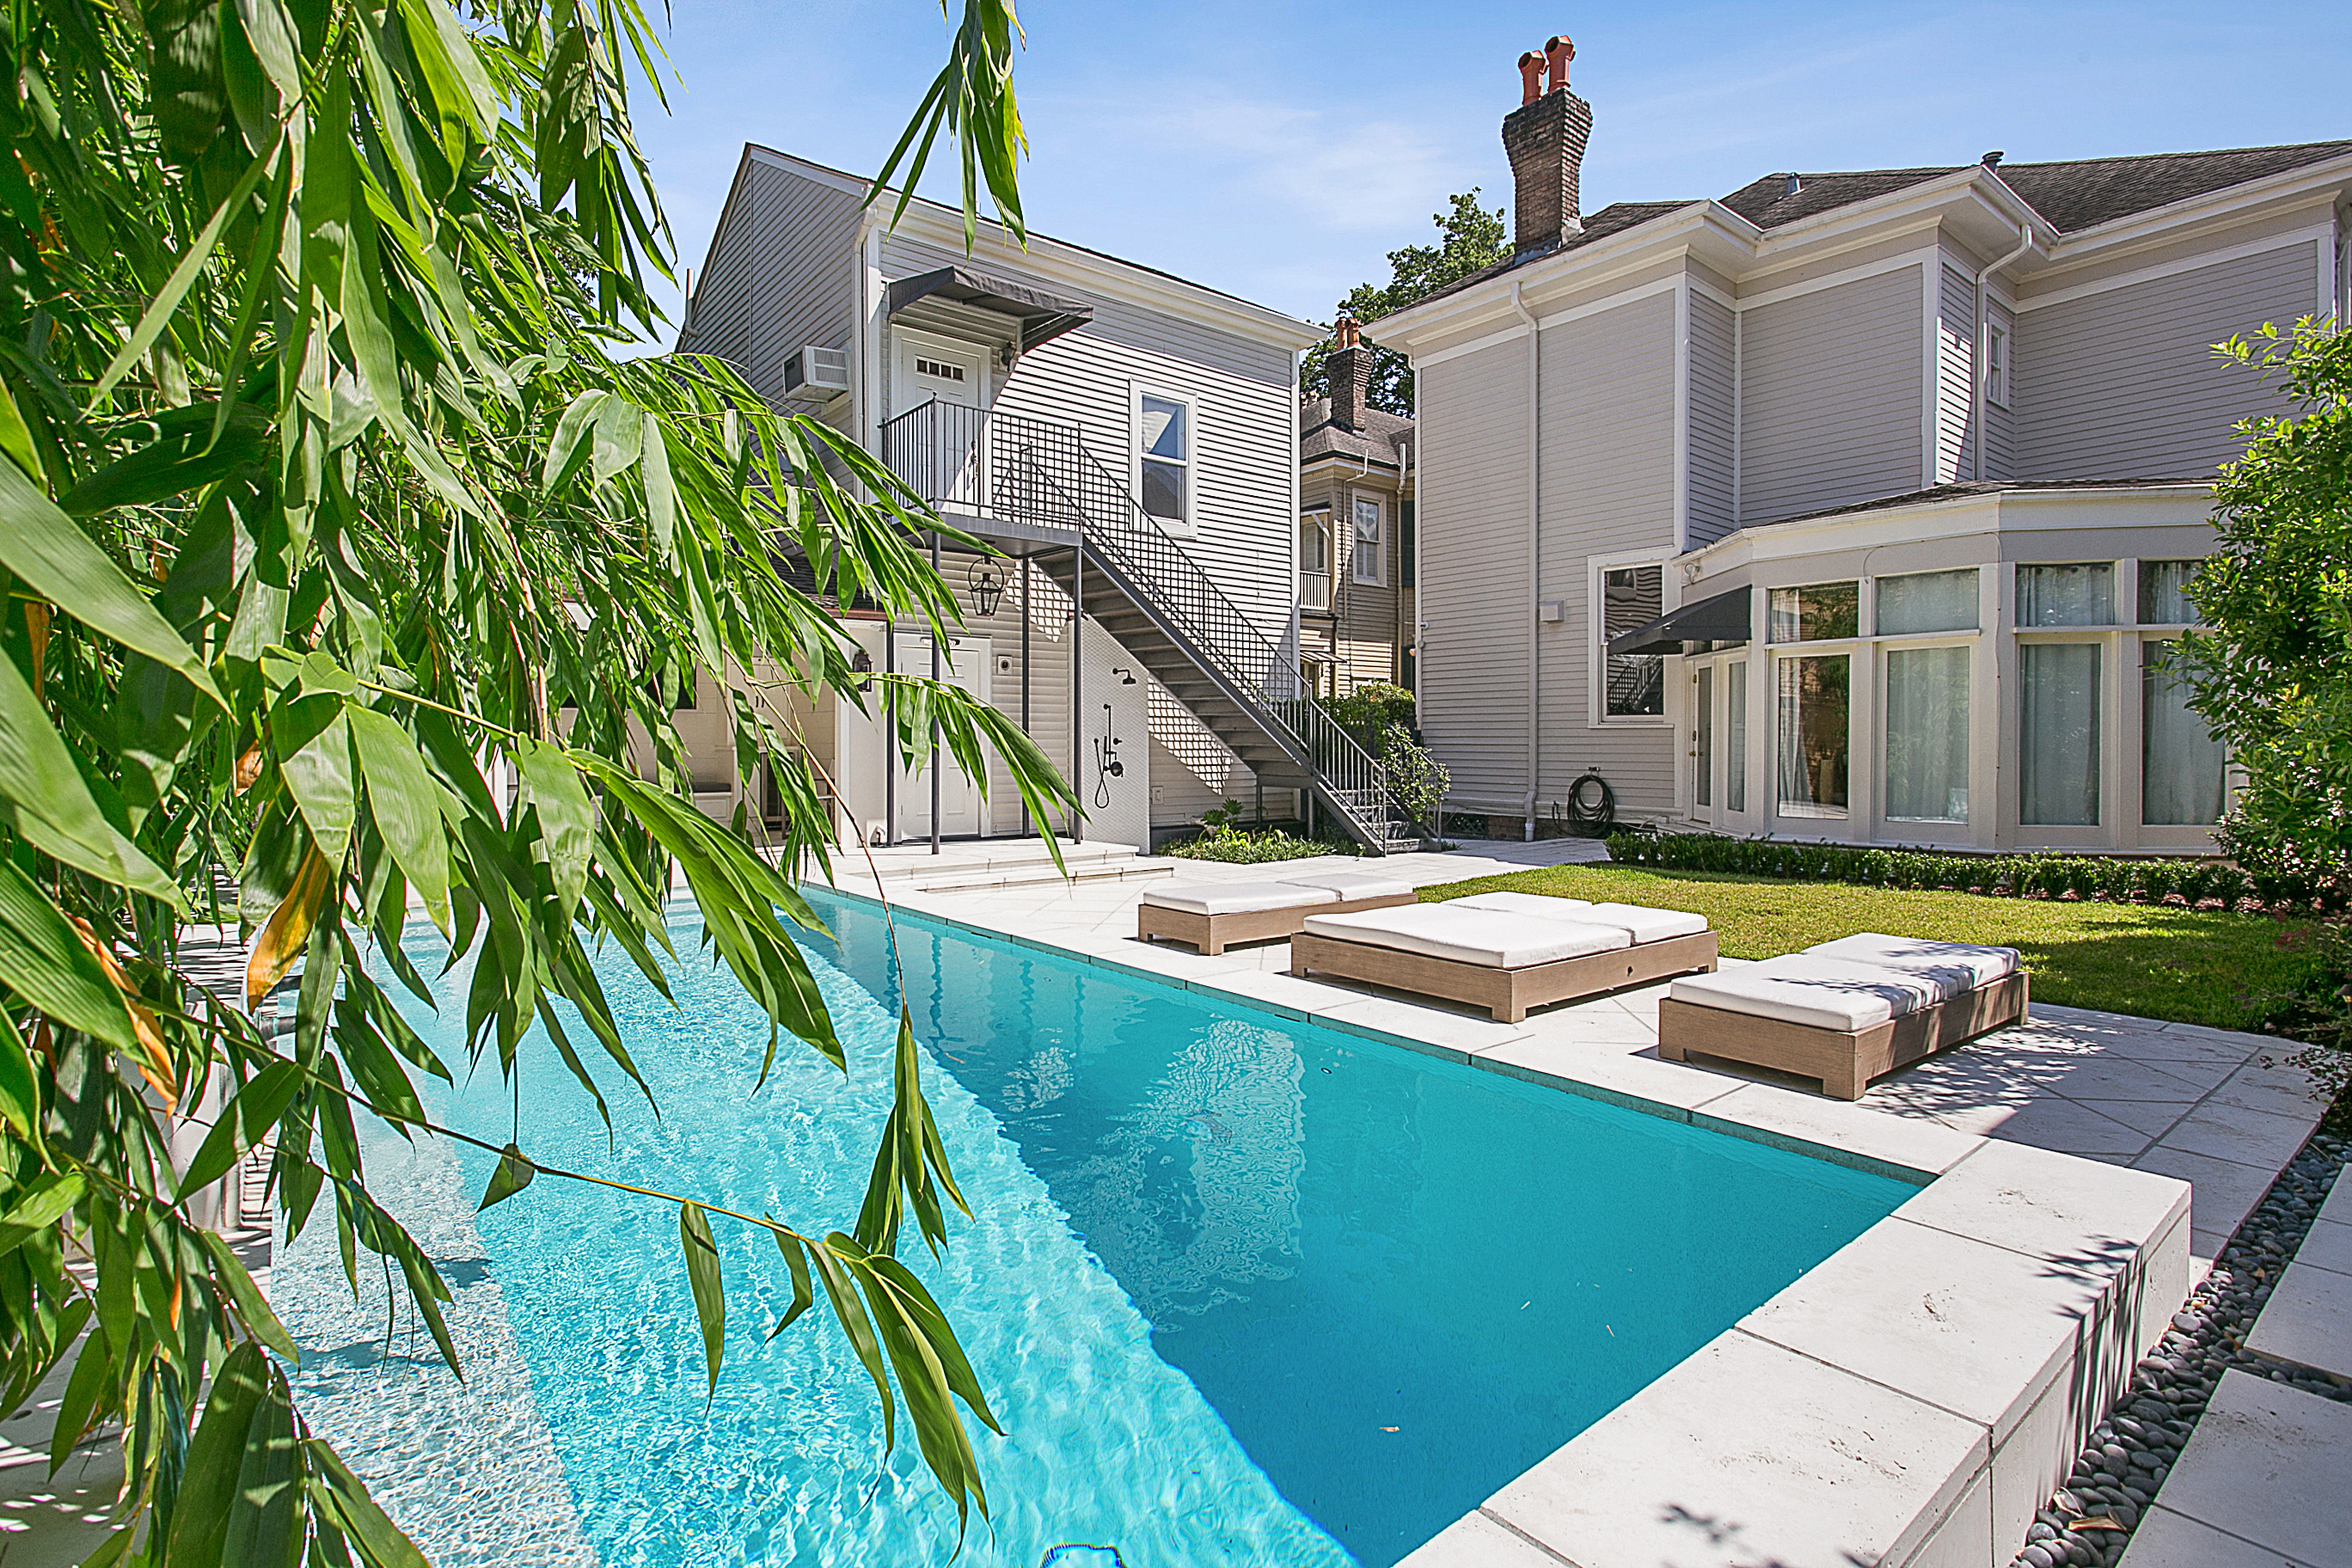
{"x": 1997, "y": 367}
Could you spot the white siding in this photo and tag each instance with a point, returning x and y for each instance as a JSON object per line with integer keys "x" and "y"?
{"x": 1608, "y": 490}
{"x": 1712, "y": 347}
{"x": 1475, "y": 595}
{"x": 779, "y": 275}
{"x": 1831, "y": 384}
{"x": 1242, "y": 396}
{"x": 2124, "y": 383}
{"x": 1955, "y": 337}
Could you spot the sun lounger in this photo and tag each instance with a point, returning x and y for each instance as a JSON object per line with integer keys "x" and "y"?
{"x": 1845, "y": 1011}
{"x": 1503, "y": 951}
{"x": 1213, "y": 915}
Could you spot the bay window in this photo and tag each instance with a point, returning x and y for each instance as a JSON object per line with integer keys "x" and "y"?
{"x": 1814, "y": 702}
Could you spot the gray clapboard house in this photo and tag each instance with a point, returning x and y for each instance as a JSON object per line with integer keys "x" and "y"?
{"x": 1126, "y": 439}
{"x": 1850, "y": 506}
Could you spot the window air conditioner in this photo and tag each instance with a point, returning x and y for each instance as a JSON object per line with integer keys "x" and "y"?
{"x": 816, "y": 374}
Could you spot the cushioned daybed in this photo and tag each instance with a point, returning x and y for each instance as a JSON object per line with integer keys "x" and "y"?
{"x": 1503, "y": 951}
{"x": 1845, "y": 1011}
{"x": 1210, "y": 915}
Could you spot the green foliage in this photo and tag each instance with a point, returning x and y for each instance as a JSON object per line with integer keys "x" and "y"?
{"x": 2272, "y": 671}
{"x": 342, "y": 567}
{"x": 1221, "y": 837}
{"x": 2018, "y": 876}
{"x": 1470, "y": 239}
{"x": 1417, "y": 779}
{"x": 1371, "y": 708}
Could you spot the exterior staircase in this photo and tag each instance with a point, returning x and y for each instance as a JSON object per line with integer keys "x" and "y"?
{"x": 1130, "y": 576}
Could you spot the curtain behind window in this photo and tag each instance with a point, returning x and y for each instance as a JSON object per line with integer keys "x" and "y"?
{"x": 1927, "y": 734}
{"x": 2058, "y": 786}
{"x": 2181, "y": 761}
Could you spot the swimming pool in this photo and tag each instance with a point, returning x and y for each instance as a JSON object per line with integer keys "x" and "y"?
{"x": 1242, "y": 1289}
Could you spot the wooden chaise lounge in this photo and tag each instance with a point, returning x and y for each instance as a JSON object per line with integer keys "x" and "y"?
{"x": 1845, "y": 1011}
{"x": 1505, "y": 952}
{"x": 1213, "y": 915}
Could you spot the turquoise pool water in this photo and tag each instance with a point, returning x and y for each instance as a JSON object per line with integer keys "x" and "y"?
{"x": 1242, "y": 1290}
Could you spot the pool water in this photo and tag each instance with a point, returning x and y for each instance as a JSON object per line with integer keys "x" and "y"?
{"x": 1242, "y": 1290}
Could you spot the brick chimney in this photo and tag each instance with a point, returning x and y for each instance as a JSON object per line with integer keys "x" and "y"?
{"x": 1545, "y": 138}
{"x": 1351, "y": 369}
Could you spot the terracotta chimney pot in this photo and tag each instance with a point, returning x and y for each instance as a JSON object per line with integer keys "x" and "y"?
{"x": 1557, "y": 52}
{"x": 1531, "y": 71}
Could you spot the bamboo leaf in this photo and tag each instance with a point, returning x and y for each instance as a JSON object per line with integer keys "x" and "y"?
{"x": 216, "y": 1457}
{"x": 288, "y": 931}
{"x": 513, "y": 1175}
{"x": 42, "y": 960}
{"x": 46, "y": 796}
{"x": 567, "y": 818}
{"x": 709, "y": 1293}
{"x": 251, "y": 1305}
{"x": 804, "y": 1291}
{"x": 378, "y": 1537}
{"x": 93, "y": 1375}
{"x": 39, "y": 1204}
{"x": 265, "y": 1519}
{"x": 314, "y": 747}
{"x": 405, "y": 806}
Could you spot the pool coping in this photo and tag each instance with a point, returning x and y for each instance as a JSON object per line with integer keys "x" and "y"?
{"x": 1907, "y": 1403}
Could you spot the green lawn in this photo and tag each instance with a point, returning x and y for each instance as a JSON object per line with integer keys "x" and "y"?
{"x": 2193, "y": 966}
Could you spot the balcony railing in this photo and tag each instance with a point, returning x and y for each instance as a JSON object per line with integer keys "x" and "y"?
{"x": 1315, "y": 591}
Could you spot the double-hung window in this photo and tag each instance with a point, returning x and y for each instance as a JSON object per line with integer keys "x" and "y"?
{"x": 1633, "y": 685}
{"x": 1367, "y": 566}
{"x": 1812, "y": 697}
{"x": 2060, "y": 712}
{"x": 1996, "y": 369}
{"x": 1163, "y": 431}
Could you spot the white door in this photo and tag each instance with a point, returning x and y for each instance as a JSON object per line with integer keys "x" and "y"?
{"x": 1706, "y": 789}
{"x": 939, "y": 450}
{"x": 963, "y": 813}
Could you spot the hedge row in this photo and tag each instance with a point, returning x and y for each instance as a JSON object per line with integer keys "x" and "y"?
{"x": 2020, "y": 876}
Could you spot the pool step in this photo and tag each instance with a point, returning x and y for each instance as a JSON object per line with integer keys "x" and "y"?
{"x": 994, "y": 863}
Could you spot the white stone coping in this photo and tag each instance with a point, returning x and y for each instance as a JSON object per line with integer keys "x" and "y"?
{"x": 1910, "y": 1401}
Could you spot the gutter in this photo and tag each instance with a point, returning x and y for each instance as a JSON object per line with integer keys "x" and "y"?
{"x": 1984, "y": 343}
{"x": 1535, "y": 552}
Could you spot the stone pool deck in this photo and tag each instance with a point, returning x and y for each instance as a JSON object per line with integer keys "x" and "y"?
{"x": 1913, "y": 1400}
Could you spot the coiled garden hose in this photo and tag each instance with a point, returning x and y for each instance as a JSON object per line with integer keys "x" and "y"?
{"x": 1591, "y": 805}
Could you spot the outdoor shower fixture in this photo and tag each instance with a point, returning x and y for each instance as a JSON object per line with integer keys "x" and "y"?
{"x": 1127, "y": 675}
{"x": 1107, "y": 764}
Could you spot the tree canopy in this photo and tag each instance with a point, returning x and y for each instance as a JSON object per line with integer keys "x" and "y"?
{"x": 347, "y": 575}
{"x": 2272, "y": 671}
{"x": 1470, "y": 239}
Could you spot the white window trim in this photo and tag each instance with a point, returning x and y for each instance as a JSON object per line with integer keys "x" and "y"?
{"x": 1905, "y": 642}
{"x": 1319, "y": 518}
{"x": 1380, "y": 577}
{"x": 1999, "y": 364}
{"x": 1856, "y": 652}
{"x": 1596, "y": 570}
{"x": 1136, "y": 391}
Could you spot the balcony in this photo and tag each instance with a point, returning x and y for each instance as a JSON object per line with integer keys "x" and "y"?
{"x": 1013, "y": 475}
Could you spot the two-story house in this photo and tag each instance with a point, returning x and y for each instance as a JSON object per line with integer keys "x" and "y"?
{"x": 1355, "y": 531}
{"x": 1125, "y": 440}
{"x": 1852, "y": 506}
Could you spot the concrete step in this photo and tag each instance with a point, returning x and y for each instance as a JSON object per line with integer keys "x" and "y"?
{"x": 1137, "y": 870}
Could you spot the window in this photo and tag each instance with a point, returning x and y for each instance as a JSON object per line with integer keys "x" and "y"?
{"x": 1735, "y": 736}
{"x": 1815, "y": 613}
{"x": 1815, "y": 694}
{"x": 1314, "y": 560}
{"x": 1367, "y": 564}
{"x": 1164, "y": 439}
{"x": 2163, "y": 592}
{"x": 1703, "y": 736}
{"x": 1928, "y": 602}
{"x": 1634, "y": 684}
{"x": 2181, "y": 761}
{"x": 1927, "y": 734}
{"x": 939, "y": 369}
{"x": 2080, "y": 596}
{"x": 2058, "y": 718}
{"x": 1997, "y": 367}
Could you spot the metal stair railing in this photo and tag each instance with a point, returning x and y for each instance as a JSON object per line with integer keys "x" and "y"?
{"x": 1041, "y": 473}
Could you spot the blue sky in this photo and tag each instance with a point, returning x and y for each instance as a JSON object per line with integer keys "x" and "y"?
{"x": 1278, "y": 151}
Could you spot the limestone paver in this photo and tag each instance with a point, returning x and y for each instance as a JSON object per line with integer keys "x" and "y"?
{"x": 2267, "y": 1465}
{"x": 1477, "y": 1541}
{"x": 2233, "y": 1132}
{"x": 1748, "y": 1453}
{"x": 1644, "y": 1082}
{"x": 2052, "y": 1122}
{"x": 1425, "y": 1026}
{"x": 2150, "y": 1118}
{"x": 2042, "y": 1205}
{"x": 2169, "y": 1540}
{"x": 2267, "y": 1086}
{"x": 2226, "y": 1192}
{"x": 1812, "y": 1125}
{"x": 2308, "y": 1322}
{"x": 2339, "y": 1206}
{"x": 2328, "y": 1246}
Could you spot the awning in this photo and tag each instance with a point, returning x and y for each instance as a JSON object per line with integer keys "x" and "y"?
{"x": 1723, "y": 618}
{"x": 1042, "y": 316}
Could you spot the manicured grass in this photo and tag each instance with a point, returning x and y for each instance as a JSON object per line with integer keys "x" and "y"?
{"x": 2193, "y": 966}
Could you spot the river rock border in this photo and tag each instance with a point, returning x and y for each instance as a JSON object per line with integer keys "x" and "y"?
{"x": 2089, "y": 1521}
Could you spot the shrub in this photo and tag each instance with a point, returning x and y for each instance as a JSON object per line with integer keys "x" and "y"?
{"x": 1241, "y": 847}
{"x": 1417, "y": 779}
{"x": 1371, "y": 708}
{"x": 2020, "y": 876}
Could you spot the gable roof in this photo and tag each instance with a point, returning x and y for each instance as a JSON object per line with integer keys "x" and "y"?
{"x": 2073, "y": 196}
{"x": 1375, "y": 441}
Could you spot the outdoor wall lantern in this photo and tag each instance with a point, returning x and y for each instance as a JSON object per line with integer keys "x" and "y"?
{"x": 987, "y": 588}
{"x": 862, "y": 666}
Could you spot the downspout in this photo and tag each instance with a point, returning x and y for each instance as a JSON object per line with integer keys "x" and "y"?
{"x": 1535, "y": 554}
{"x": 1984, "y": 343}
{"x": 1404, "y": 470}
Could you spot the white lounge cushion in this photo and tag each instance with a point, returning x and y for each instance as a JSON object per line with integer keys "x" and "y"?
{"x": 1354, "y": 884}
{"x": 1237, "y": 897}
{"x": 1821, "y": 993}
{"x": 1488, "y": 938}
{"x": 1641, "y": 924}
{"x": 1957, "y": 966}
